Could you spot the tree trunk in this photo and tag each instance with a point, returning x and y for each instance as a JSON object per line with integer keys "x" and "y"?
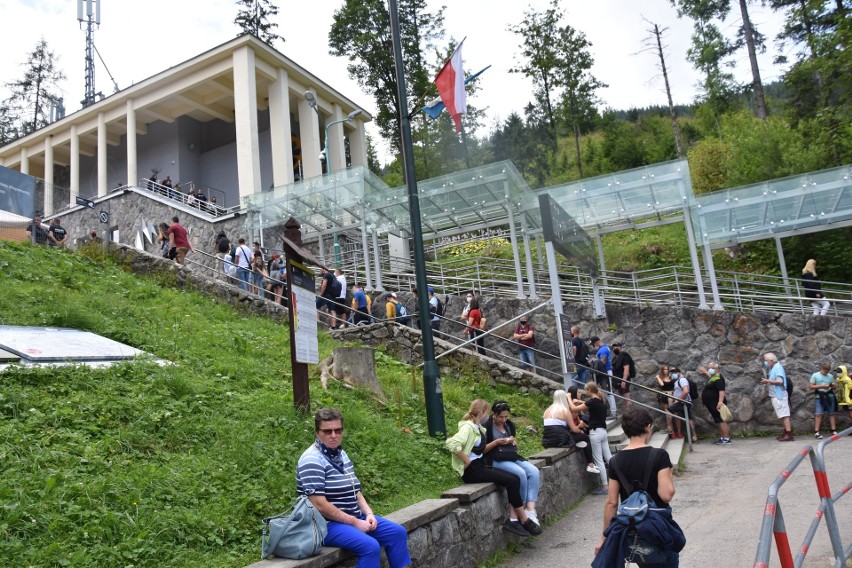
{"x": 757, "y": 85}
{"x": 672, "y": 113}
{"x": 357, "y": 366}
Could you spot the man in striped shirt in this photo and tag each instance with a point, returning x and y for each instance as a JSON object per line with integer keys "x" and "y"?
{"x": 325, "y": 474}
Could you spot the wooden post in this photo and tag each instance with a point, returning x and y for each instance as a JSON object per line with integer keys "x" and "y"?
{"x": 301, "y": 386}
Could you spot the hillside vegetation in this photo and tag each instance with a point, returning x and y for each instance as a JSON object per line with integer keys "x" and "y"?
{"x": 175, "y": 465}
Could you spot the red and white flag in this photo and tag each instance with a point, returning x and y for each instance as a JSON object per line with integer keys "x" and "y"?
{"x": 450, "y": 83}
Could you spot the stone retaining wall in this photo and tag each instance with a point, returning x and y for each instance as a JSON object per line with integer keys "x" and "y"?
{"x": 464, "y": 526}
{"x": 684, "y": 337}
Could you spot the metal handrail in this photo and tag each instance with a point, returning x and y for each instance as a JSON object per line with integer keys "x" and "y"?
{"x": 177, "y": 194}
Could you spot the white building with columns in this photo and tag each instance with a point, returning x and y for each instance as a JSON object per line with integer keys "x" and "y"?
{"x": 230, "y": 119}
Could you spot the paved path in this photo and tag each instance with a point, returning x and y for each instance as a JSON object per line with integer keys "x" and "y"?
{"x": 719, "y": 504}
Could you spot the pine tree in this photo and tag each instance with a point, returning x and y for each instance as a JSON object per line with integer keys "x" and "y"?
{"x": 254, "y": 16}
{"x": 28, "y": 108}
{"x": 557, "y": 59}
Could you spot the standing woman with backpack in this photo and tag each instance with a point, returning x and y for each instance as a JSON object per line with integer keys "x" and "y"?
{"x": 640, "y": 467}
{"x": 474, "y": 323}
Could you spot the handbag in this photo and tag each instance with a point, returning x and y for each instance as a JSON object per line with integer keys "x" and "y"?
{"x": 726, "y": 413}
{"x": 507, "y": 452}
{"x": 297, "y": 534}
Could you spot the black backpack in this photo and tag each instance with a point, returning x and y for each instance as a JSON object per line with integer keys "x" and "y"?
{"x": 441, "y": 305}
{"x": 582, "y": 353}
{"x": 693, "y": 389}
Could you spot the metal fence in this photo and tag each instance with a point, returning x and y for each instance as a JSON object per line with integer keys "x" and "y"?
{"x": 773, "y": 519}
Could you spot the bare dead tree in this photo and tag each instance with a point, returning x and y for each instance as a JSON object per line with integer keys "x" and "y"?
{"x": 657, "y": 47}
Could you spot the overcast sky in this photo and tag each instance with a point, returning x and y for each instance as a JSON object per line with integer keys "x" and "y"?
{"x": 140, "y": 39}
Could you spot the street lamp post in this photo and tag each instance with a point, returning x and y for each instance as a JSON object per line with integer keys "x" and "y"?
{"x": 312, "y": 100}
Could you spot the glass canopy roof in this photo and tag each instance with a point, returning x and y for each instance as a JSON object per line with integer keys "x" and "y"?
{"x": 775, "y": 208}
{"x": 482, "y": 197}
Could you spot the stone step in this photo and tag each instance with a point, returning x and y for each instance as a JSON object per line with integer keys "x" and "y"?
{"x": 674, "y": 447}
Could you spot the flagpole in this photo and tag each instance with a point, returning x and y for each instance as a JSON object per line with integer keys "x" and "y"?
{"x": 431, "y": 375}
{"x": 464, "y": 145}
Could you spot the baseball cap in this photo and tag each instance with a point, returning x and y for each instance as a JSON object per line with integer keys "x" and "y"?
{"x": 393, "y": 295}
{"x": 618, "y": 344}
{"x": 431, "y": 290}
{"x": 594, "y": 339}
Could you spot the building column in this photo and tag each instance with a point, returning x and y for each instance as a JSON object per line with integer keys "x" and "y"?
{"x": 280, "y": 130}
{"x": 48, "y": 175}
{"x": 25, "y": 162}
{"x": 74, "y": 164}
{"x": 132, "y": 164}
{"x": 358, "y": 144}
{"x": 245, "y": 118}
{"x": 310, "y": 138}
{"x": 102, "y": 155}
{"x": 336, "y": 146}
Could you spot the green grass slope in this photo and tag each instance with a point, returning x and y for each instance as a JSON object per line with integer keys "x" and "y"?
{"x": 144, "y": 465}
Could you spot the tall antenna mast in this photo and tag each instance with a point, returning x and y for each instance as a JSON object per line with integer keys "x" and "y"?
{"x": 91, "y": 18}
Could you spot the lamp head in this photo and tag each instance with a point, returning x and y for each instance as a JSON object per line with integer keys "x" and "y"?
{"x": 311, "y": 98}
{"x": 354, "y": 113}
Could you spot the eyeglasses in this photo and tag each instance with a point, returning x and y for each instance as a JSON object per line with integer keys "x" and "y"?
{"x": 330, "y": 431}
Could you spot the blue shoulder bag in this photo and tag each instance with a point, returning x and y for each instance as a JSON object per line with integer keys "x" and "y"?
{"x": 297, "y": 534}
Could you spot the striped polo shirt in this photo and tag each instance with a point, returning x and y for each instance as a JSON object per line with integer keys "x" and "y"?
{"x": 316, "y": 476}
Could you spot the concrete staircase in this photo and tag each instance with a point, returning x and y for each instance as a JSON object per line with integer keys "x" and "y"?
{"x": 659, "y": 439}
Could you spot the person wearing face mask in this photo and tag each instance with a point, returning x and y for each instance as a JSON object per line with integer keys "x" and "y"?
{"x": 525, "y": 336}
{"x": 713, "y": 397}
{"x": 775, "y": 379}
{"x": 466, "y": 310}
{"x": 681, "y": 396}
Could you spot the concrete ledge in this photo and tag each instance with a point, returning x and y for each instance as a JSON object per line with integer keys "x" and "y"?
{"x": 469, "y": 492}
{"x": 328, "y": 557}
{"x": 423, "y": 513}
{"x": 550, "y": 455}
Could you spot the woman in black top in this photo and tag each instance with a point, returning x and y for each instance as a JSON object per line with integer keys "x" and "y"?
{"x": 596, "y": 408}
{"x": 633, "y": 463}
{"x": 813, "y": 289}
{"x": 713, "y": 397}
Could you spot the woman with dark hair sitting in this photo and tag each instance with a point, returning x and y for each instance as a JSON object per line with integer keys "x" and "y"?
{"x": 468, "y": 446}
{"x": 658, "y": 539}
{"x": 504, "y": 455}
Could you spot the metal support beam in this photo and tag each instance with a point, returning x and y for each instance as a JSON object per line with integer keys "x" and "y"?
{"x": 711, "y": 275}
{"x": 693, "y": 254}
{"x": 377, "y": 260}
{"x": 513, "y": 236}
{"x": 528, "y": 254}
{"x": 601, "y": 260}
{"x": 365, "y": 250}
{"x": 783, "y": 264}
{"x": 556, "y": 300}
{"x": 598, "y": 300}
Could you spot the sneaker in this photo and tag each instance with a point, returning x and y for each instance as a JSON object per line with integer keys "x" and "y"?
{"x": 593, "y": 469}
{"x": 601, "y": 491}
{"x": 533, "y": 516}
{"x": 834, "y": 432}
{"x": 726, "y": 441}
{"x": 515, "y": 527}
{"x": 531, "y": 527}
{"x": 720, "y": 441}
{"x": 818, "y": 435}
{"x": 581, "y": 444}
